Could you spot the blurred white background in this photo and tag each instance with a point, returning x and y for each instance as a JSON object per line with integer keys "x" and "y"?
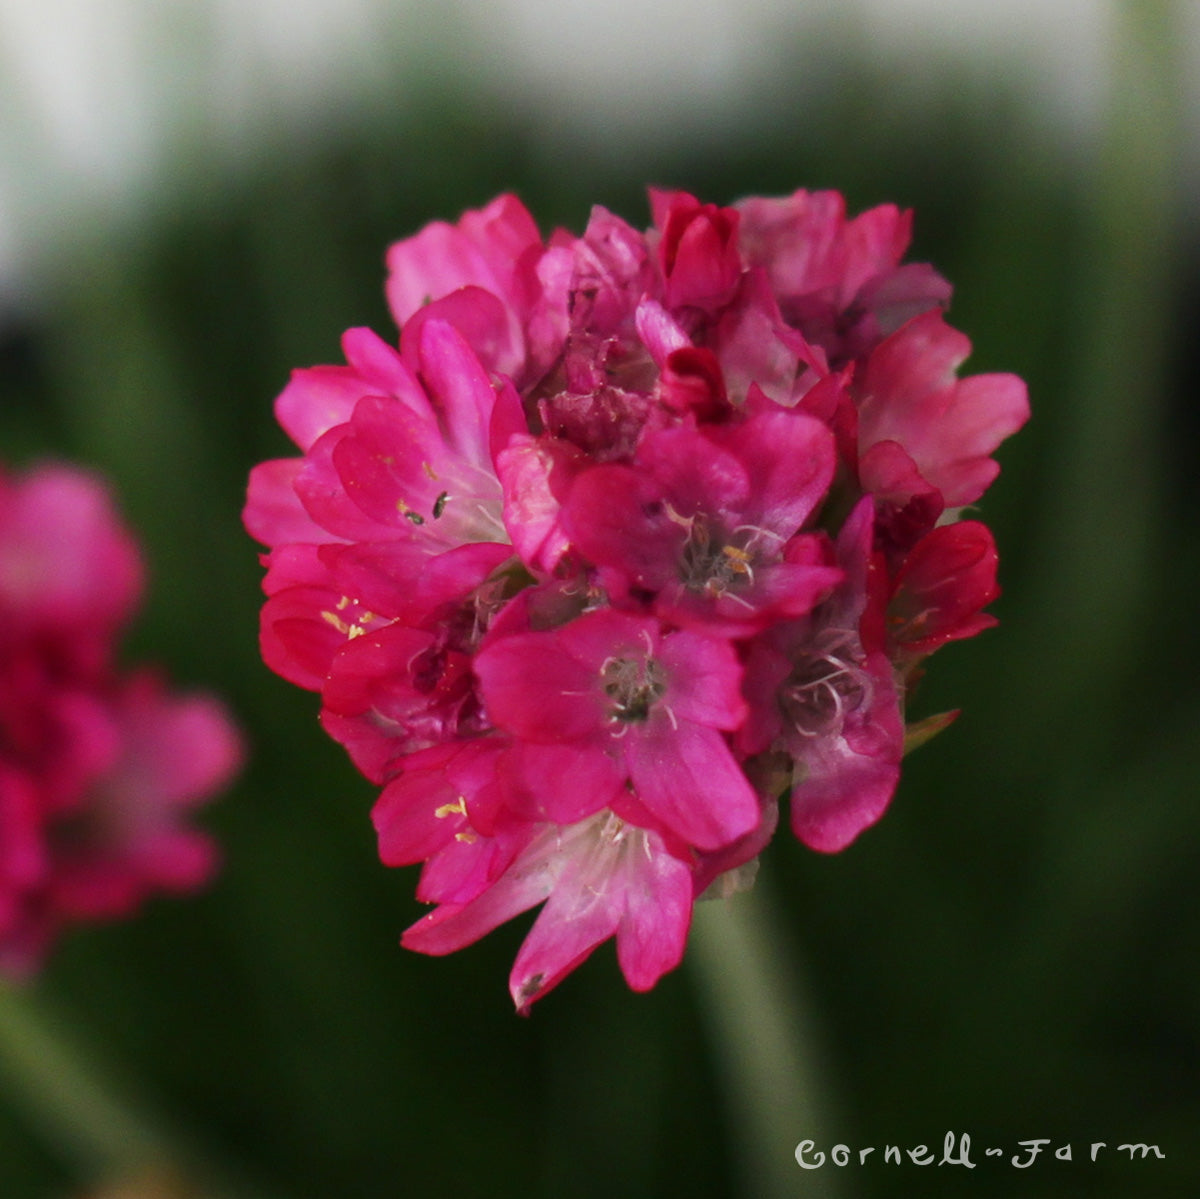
{"x": 107, "y": 105}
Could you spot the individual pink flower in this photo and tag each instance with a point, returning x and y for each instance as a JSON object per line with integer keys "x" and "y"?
{"x": 99, "y": 770}
{"x": 940, "y": 590}
{"x": 709, "y": 521}
{"x": 923, "y": 430}
{"x": 129, "y": 838}
{"x": 397, "y": 471}
{"x": 638, "y": 708}
{"x": 408, "y": 684}
{"x": 823, "y": 692}
{"x": 839, "y": 281}
{"x": 600, "y": 877}
{"x": 628, "y": 538}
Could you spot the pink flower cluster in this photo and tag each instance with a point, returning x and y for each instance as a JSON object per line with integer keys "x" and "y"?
{"x": 97, "y": 768}
{"x": 630, "y": 535}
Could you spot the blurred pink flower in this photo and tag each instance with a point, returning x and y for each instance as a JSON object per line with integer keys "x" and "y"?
{"x": 98, "y": 770}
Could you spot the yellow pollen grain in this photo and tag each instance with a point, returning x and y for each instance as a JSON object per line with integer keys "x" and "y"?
{"x": 739, "y": 560}
{"x": 338, "y": 623}
{"x": 458, "y": 808}
{"x": 467, "y": 838}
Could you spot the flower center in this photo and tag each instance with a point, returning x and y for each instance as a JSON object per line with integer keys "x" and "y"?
{"x": 633, "y": 686}
{"x": 826, "y": 685}
{"x": 715, "y": 562}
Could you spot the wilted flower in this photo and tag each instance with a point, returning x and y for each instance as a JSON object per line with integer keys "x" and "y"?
{"x": 630, "y": 536}
{"x": 98, "y": 769}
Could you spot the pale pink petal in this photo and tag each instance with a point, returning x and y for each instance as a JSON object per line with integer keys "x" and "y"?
{"x": 526, "y": 882}
{"x": 485, "y": 249}
{"x": 583, "y": 910}
{"x": 535, "y": 690}
{"x": 456, "y": 378}
{"x": 536, "y": 474}
{"x": 318, "y": 399}
{"x": 704, "y": 679}
{"x": 657, "y": 914}
{"x": 687, "y": 777}
{"x": 274, "y": 514}
{"x": 843, "y": 793}
{"x": 490, "y": 328}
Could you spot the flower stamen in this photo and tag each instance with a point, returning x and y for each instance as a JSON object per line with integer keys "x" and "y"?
{"x": 633, "y": 686}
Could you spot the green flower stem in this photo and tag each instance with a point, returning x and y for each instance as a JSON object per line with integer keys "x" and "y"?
{"x": 765, "y": 1044}
{"x": 65, "y": 1096}
{"x": 81, "y": 1112}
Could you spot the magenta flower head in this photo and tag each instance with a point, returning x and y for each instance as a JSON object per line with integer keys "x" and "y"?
{"x": 628, "y": 538}
{"x": 98, "y": 769}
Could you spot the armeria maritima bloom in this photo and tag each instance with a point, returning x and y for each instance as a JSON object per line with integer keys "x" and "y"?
{"x": 99, "y": 769}
{"x": 626, "y": 539}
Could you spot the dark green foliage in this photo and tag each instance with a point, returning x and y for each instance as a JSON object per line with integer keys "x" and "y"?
{"x": 1011, "y": 952}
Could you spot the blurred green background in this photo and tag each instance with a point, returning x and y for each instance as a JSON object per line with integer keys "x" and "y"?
{"x": 1011, "y": 952}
